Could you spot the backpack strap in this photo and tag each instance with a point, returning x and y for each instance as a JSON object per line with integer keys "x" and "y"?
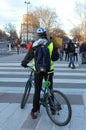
{"x": 47, "y": 44}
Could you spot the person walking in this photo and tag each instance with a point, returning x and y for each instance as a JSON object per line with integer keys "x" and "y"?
{"x": 66, "y": 52}
{"x": 71, "y": 50}
{"x": 83, "y": 52}
{"x": 38, "y": 75}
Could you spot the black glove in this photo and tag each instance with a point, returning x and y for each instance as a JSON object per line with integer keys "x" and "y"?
{"x": 24, "y": 65}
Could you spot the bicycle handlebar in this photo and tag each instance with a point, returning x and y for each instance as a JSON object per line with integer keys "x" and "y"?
{"x": 33, "y": 69}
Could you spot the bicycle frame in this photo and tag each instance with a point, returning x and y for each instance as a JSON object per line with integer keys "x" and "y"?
{"x": 31, "y": 78}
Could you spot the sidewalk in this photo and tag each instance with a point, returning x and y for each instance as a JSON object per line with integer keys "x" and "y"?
{"x": 12, "y": 117}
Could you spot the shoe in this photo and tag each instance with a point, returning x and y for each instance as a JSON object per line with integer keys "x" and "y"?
{"x": 73, "y": 67}
{"x": 33, "y": 115}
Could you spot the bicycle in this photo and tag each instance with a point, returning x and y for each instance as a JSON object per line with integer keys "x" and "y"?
{"x": 55, "y": 102}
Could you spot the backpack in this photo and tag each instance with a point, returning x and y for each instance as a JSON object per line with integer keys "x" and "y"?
{"x": 42, "y": 58}
{"x": 55, "y": 54}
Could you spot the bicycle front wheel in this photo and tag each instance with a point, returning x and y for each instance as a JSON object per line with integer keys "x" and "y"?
{"x": 58, "y": 108}
{"x": 26, "y": 94}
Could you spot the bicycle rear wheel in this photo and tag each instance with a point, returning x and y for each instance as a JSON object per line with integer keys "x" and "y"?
{"x": 58, "y": 108}
{"x": 26, "y": 94}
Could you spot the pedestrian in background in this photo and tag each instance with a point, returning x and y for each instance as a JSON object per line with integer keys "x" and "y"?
{"x": 83, "y": 52}
{"x": 28, "y": 46}
{"x": 66, "y": 52}
{"x": 18, "y": 48}
{"x": 17, "y": 42}
{"x": 71, "y": 50}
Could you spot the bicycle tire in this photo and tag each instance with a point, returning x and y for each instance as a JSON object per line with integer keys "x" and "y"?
{"x": 26, "y": 94}
{"x": 60, "y": 102}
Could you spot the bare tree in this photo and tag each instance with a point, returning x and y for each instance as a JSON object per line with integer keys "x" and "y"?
{"x": 58, "y": 32}
{"x": 3, "y": 34}
{"x": 76, "y": 34}
{"x": 11, "y": 30}
{"x": 80, "y": 9}
{"x": 47, "y": 17}
{"x": 44, "y": 17}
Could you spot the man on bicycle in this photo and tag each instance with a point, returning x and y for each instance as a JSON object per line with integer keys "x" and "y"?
{"x": 38, "y": 76}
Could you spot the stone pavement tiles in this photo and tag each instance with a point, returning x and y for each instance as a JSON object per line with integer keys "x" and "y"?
{"x": 12, "y": 117}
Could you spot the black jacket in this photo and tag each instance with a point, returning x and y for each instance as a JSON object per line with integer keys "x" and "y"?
{"x": 30, "y": 55}
{"x": 71, "y": 47}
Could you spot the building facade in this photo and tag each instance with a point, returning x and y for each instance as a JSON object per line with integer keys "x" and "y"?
{"x": 29, "y": 26}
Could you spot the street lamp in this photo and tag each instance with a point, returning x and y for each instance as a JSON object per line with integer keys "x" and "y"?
{"x": 27, "y": 2}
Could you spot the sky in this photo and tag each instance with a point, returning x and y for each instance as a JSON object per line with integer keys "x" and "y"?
{"x": 11, "y": 11}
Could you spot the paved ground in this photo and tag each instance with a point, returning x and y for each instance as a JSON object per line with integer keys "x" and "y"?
{"x": 12, "y": 117}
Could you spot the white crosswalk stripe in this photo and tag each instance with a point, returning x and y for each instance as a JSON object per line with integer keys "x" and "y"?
{"x": 11, "y": 75}
{"x": 20, "y": 80}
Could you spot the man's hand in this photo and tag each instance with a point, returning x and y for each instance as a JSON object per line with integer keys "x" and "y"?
{"x": 24, "y": 65}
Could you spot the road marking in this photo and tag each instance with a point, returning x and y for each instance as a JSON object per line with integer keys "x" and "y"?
{"x": 56, "y": 69}
{"x": 55, "y": 73}
{"x": 21, "y": 80}
{"x": 19, "y": 64}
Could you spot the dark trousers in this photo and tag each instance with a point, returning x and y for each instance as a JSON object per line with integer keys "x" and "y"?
{"x": 75, "y": 57}
{"x": 66, "y": 56}
{"x": 38, "y": 84}
{"x": 84, "y": 57}
{"x": 71, "y": 59}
